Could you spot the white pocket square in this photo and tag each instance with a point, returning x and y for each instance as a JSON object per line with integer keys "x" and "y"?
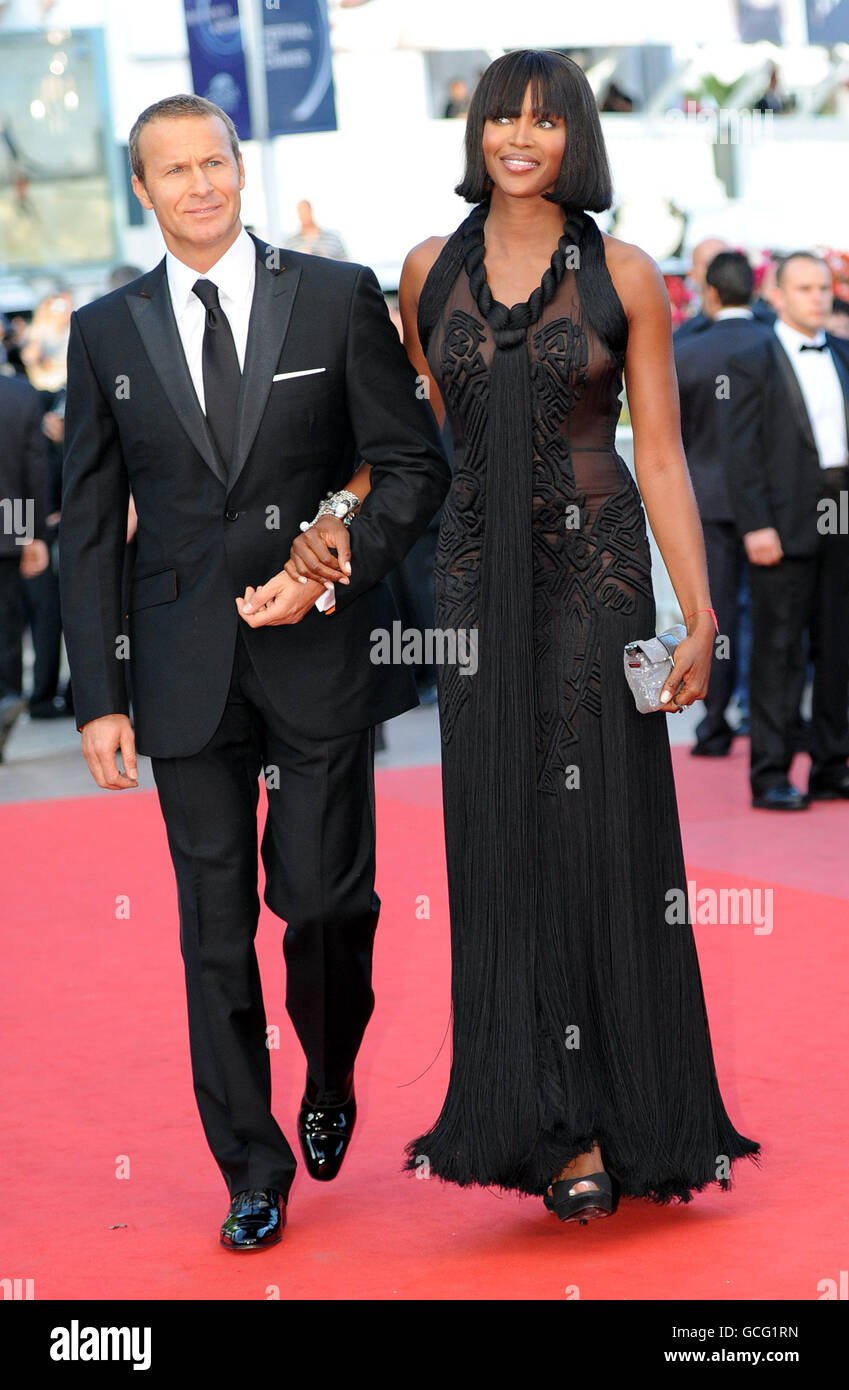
{"x": 310, "y": 371}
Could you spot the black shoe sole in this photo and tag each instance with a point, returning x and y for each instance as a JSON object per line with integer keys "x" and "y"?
{"x": 758, "y": 804}
{"x": 250, "y": 1249}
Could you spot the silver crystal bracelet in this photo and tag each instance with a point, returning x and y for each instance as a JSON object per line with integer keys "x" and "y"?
{"x": 342, "y": 504}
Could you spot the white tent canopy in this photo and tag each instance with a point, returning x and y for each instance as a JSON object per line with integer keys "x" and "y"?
{"x": 494, "y": 25}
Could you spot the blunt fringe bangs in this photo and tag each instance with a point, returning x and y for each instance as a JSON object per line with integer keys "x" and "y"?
{"x": 558, "y": 88}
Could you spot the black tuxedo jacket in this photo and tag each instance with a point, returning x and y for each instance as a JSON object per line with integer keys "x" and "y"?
{"x": 772, "y": 464}
{"x": 134, "y": 423}
{"x": 700, "y": 359}
{"x": 700, "y": 321}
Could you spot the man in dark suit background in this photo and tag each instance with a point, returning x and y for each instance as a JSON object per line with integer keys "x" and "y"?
{"x": 704, "y": 252}
{"x": 23, "y": 530}
{"x": 787, "y": 470}
{"x": 701, "y": 364}
{"x": 229, "y": 389}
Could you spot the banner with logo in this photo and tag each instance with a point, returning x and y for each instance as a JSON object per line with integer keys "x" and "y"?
{"x": 218, "y": 59}
{"x": 298, "y": 69}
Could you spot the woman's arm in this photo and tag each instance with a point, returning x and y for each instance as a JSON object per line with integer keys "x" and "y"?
{"x": 310, "y": 556}
{"x": 659, "y": 461}
{"x": 414, "y": 272}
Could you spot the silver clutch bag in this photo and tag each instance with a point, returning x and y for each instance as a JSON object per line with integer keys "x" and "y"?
{"x": 647, "y": 665}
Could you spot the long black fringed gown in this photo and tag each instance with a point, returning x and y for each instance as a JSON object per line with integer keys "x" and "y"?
{"x": 578, "y": 1011}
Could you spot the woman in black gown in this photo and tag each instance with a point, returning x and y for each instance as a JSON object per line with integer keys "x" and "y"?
{"x": 582, "y": 1063}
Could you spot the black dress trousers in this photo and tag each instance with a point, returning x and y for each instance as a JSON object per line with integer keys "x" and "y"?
{"x": 318, "y": 853}
{"x": 726, "y": 558}
{"x": 798, "y": 594}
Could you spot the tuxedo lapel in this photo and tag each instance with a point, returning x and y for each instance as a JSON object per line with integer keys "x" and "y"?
{"x": 150, "y": 306}
{"x": 794, "y": 394}
{"x": 274, "y": 295}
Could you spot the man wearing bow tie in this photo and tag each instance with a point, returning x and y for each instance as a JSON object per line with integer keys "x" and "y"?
{"x": 788, "y": 469}
{"x": 230, "y": 389}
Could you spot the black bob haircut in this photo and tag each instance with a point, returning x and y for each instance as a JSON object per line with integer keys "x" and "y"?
{"x": 558, "y": 88}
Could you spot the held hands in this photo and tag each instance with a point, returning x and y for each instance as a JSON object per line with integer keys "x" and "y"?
{"x": 688, "y": 681}
{"x": 287, "y": 596}
{"x": 279, "y": 601}
{"x": 310, "y": 556}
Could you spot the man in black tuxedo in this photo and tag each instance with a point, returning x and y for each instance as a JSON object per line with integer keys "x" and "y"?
{"x": 788, "y": 478}
{"x": 701, "y": 364}
{"x": 229, "y": 389}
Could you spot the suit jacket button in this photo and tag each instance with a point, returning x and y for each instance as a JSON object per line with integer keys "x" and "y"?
{"x": 232, "y": 516}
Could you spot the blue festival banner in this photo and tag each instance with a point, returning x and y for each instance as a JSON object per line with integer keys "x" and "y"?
{"x": 218, "y": 59}
{"x": 298, "y": 69}
{"x": 828, "y": 21}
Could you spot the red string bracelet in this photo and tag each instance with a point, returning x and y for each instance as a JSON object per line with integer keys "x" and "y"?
{"x": 703, "y": 610}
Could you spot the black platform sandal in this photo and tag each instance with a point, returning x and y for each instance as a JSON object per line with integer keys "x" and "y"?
{"x": 569, "y": 1205}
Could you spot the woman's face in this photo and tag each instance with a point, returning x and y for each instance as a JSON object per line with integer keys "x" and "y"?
{"x": 523, "y": 153}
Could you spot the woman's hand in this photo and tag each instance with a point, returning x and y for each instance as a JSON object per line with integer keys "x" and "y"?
{"x": 688, "y": 680}
{"x": 310, "y": 556}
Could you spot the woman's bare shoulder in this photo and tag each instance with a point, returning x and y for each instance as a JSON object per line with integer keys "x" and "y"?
{"x": 632, "y": 270}
{"x": 419, "y": 262}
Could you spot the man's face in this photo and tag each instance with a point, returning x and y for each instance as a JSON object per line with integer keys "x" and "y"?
{"x": 192, "y": 182}
{"x": 803, "y": 299}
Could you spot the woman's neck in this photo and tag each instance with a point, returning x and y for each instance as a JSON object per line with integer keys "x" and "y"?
{"x": 515, "y": 226}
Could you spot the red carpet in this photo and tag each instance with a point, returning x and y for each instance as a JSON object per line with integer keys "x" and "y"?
{"x": 97, "y": 1079}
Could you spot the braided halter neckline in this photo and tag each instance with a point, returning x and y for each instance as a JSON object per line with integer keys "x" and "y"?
{"x": 509, "y": 325}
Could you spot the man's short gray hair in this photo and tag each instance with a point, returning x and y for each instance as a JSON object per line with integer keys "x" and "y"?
{"x": 183, "y": 104}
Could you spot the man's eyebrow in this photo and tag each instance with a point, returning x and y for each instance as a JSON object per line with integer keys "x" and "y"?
{"x": 180, "y": 159}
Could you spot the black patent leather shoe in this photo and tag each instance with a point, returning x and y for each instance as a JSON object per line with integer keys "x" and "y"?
{"x": 784, "y": 798}
{"x": 255, "y": 1220}
{"x": 835, "y": 790}
{"x": 325, "y": 1125}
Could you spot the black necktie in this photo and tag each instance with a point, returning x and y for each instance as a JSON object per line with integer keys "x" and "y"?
{"x": 221, "y": 374}
{"x": 813, "y": 347}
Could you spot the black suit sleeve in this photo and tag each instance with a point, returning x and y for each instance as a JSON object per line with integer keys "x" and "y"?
{"x": 395, "y": 431}
{"x": 744, "y": 452}
{"x": 35, "y": 464}
{"x": 92, "y": 541}
{"x": 683, "y": 375}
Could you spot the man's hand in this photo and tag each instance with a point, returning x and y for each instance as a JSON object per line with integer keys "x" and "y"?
{"x": 763, "y": 547}
{"x": 35, "y": 557}
{"x": 310, "y": 556}
{"x": 101, "y": 740}
{"x": 282, "y": 600}
{"x": 53, "y": 426}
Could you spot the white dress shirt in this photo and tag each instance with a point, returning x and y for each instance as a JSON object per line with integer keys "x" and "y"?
{"x": 234, "y": 274}
{"x": 734, "y": 311}
{"x": 822, "y": 392}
